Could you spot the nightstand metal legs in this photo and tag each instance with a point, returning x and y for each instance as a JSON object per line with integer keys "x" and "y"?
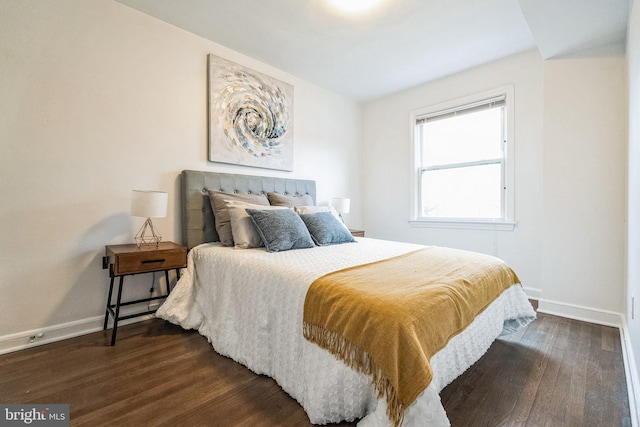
{"x": 116, "y": 316}
{"x": 114, "y": 309}
{"x": 106, "y": 314}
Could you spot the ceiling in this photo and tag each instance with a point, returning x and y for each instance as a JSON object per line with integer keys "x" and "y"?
{"x": 398, "y": 43}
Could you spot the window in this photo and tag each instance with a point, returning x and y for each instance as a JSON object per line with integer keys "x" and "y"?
{"x": 463, "y": 173}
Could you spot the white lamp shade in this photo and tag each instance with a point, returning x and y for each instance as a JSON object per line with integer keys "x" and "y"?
{"x": 341, "y": 205}
{"x": 149, "y": 204}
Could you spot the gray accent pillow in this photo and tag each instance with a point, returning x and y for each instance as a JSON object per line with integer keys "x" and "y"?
{"x": 221, "y": 213}
{"x": 326, "y": 229}
{"x": 289, "y": 200}
{"x": 281, "y": 229}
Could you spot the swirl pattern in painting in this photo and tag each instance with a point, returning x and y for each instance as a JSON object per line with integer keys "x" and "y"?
{"x": 255, "y": 113}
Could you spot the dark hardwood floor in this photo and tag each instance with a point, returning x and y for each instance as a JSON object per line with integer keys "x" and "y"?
{"x": 556, "y": 372}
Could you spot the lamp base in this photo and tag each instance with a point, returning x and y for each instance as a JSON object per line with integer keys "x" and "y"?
{"x": 342, "y": 218}
{"x": 147, "y": 236}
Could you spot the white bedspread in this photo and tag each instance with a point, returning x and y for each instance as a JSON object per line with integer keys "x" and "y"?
{"x": 249, "y": 304}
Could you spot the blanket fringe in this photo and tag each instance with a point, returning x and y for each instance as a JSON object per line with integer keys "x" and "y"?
{"x": 358, "y": 360}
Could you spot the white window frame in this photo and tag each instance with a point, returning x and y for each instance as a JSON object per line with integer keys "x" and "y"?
{"x": 507, "y": 222}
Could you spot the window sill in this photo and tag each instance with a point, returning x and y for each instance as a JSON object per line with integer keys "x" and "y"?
{"x": 464, "y": 224}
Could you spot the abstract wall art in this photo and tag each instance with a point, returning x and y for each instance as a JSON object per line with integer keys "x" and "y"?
{"x": 250, "y": 117}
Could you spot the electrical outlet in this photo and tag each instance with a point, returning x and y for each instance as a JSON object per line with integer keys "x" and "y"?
{"x": 32, "y": 338}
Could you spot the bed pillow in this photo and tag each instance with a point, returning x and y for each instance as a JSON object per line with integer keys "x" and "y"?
{"x": 244, "y": 233}
{"x": 315, "y": 209}
{"x": 326, "y": 229}
{"x": 281, "y": 229}
{"x": 289, "y": 200}
{"x": 221, "y": 213}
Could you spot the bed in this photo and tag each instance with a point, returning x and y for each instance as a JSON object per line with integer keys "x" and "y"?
{"x": 250, "y": 304}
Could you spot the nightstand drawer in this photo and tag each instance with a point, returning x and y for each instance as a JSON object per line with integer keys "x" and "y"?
{"x": 149, "y": 261}
{"x": 131, "y": 259}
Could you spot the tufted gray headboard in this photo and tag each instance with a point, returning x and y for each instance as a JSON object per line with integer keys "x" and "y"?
{"x": 197, "y": 216}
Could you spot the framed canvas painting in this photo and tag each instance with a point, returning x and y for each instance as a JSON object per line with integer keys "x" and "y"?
{"x": 250, "y": 117}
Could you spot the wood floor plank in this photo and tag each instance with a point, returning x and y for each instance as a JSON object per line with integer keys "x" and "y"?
{"x": 540, "y": 341}
{"x": 557, "y": 372}
{"x": 577, "y": 388}
{"x": 566, "y": 349}
{"x": 510, "y": 376}
{"x": 594, "y": 411}
{"x": 542, "y": 404}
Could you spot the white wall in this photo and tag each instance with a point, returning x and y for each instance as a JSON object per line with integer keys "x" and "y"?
{"x": 99, "y": 99}
{"x": 387, "y": 172}
{"x": 570, "y": 167}
{"x": 633, "y": 203}
{"x": 584, "y": 191}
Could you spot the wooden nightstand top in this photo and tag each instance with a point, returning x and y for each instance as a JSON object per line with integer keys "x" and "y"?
{"x": 132, "y": 247}
{"x": 357, "y": 233}
{"x": 131, "y": 259}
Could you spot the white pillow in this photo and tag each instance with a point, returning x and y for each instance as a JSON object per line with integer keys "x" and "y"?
{"x": 244, "y": 232}
{"x": 301, "y": 210}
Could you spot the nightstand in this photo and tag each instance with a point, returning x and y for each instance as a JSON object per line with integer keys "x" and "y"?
{"x": 126, "y": 260}
{"x": 357, "y": 233}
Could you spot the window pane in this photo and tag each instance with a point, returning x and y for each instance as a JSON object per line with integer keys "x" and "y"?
{"x": 469, "y": 192}
{"x": 463, "y": 138}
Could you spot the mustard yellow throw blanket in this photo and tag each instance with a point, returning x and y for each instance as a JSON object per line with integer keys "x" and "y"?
{"x": 388, "y": 318}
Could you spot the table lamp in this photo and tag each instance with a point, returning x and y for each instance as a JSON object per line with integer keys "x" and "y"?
{"x": 342, "y": 206}
{"x": 148, "y": 204}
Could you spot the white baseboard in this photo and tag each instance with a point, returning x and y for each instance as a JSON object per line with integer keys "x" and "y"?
{"x": 579, "y": 312}
{"x": 49, "y": 334}
{"x": 532, "y": 293}
{"x": 631, "y": 373}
